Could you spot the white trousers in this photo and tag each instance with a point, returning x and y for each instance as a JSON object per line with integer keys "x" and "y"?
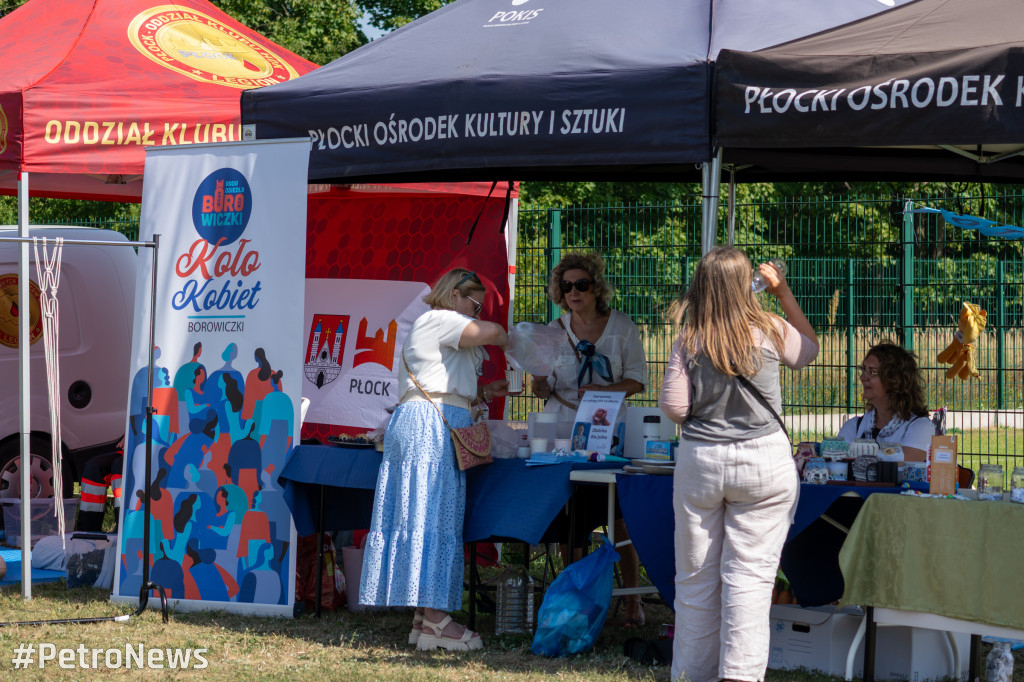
{"x": 734, "y": 503}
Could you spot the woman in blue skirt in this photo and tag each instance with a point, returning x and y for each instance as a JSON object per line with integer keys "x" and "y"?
{"x": 414, "y": 554}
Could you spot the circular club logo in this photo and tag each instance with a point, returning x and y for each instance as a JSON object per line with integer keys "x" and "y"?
{"x": 205, "y": 49}
{"x": 222, "y": 206}
{"x": 3, "y": 131}
{"x": 9, "y": 311}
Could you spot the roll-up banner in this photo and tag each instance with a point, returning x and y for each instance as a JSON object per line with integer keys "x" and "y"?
{"x": 227, "y": 377}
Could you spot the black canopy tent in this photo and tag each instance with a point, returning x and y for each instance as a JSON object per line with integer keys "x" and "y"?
{"x": 533, "y": 90}
{"x": 933, "y": 89}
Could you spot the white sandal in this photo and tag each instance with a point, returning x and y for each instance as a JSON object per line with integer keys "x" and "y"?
{"x": 417, "y": 628}
{"x": 432, "y": 637}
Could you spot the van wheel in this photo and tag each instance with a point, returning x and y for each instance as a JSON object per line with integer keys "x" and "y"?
{"x": 40, "y": 474}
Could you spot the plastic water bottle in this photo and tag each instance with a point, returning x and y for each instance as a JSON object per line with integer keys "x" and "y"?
{"x": 759, "y": 283}
{"x": 999, "y": 664}
{"x": 515, "y": 601}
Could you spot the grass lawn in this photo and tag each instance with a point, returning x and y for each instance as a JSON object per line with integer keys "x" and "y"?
{"x": 340, "y": 646}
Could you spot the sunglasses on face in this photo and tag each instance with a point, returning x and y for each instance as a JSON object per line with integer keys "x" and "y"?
{"x": 580, "y": 284}
{"x": 478, "y": 304}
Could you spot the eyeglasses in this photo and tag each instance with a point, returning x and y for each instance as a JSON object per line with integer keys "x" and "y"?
{"x": 465, "y": 278}
{"x": 580, "y": 284}
{"x": 479, "y": 305}
{"x": 869, "y": 371}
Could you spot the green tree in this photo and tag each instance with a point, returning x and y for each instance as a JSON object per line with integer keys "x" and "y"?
{"x": 318, "y": 30}
{"x": 387, "y": 15}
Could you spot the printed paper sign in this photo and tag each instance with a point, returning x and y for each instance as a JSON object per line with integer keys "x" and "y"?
{"x": 597, "y": 415}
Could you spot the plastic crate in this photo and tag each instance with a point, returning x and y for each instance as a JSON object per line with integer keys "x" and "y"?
{"x": 44, "y": 521}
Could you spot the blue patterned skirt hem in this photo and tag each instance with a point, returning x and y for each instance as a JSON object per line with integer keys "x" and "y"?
{"x": 414, "y": 554}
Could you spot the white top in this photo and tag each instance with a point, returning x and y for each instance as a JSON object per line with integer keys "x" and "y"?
{"x": 620, "y": 342}
{"x": 916, "y": 433}
{"x": 433, "y": 355}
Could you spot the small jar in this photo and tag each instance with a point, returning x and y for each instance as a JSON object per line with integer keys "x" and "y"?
{"x": 1017, "y": 484}
{"x": 990, "y": 482}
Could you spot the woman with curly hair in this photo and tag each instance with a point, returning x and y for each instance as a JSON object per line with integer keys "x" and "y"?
{"x": 894, "y": 393}
{"x": 602, "y": 352}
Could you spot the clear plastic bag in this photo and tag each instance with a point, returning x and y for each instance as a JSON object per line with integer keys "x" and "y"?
{"x": 533, "y": 347}
{"x": 576, "y": 605}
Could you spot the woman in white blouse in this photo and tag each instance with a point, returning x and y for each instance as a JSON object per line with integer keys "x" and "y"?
{"x": 603, "y": 352}
{"x": 894, "y": 391}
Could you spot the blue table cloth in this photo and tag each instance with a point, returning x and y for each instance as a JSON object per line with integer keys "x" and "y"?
{"x": 352, "y": 471}
{"x": 646, "y": 503}
{"x": 504, "y": 500}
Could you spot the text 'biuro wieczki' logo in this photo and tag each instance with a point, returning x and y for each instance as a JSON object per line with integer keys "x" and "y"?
{"x": 205, "y": 49}
{"x": 222, "y": 206}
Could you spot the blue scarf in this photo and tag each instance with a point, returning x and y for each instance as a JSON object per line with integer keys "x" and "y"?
{"x": 592, "y": 360}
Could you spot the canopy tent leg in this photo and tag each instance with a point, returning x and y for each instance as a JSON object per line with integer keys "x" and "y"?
{"x": 710, "y": 181}
{"x": 731, "y": 224}
{"x": 25, "y": 418}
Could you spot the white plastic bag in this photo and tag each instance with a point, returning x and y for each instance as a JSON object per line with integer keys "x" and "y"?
{"x": 533, "y": 347}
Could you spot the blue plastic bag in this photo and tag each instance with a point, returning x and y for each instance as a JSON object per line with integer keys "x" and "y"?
{"x": 576, "y": 605}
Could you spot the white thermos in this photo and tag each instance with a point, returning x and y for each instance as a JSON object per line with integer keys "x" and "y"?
{"x": 651, "y": 430}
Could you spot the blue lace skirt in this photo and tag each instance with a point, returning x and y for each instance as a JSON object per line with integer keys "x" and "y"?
{"x": 414, "y": 554}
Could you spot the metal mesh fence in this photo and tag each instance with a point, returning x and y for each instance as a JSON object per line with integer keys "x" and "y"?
{"x": 863, "y": 270}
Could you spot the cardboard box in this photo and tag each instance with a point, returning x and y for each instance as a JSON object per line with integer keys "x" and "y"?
{"x": 819, "y": 638}
{"x": 659, "y": 450}
{"x": 816, "y": 638}
{"x": 44, "y": 521}
{"x": 942, "y": 474}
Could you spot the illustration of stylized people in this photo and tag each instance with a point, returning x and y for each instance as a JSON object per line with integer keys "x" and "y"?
{"x": 278, "y": 413}
{"x": 257, "y": 384}
{"x": 224, "y": 532}
{"x": 195, "y": 400}
{"x": 184, "y": 522}
{"x": 191, "y": 449}
{"x": 204, "y": 579}
{"x": 132, "y": 532}
{"x": 255, "y": 552}
{"x": 168, "y": 574}
{"x": 168, "y": 415}
{"x": 245, "y": 462}
{"x": 214, "y": 389}
{"x": 579, "y": 438}
{"x": 137, "y": 398}
{"x": 184, "y": 378}
{"x": 231, "y": 406}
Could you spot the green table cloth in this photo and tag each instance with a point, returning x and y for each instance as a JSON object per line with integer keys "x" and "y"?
{"x": 955, "y": 558}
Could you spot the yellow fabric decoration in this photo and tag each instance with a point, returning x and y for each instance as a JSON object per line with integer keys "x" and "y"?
{"x": 961, "y": 353}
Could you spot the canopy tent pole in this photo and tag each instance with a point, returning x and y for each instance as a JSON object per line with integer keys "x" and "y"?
{"x": 731, "y": 224}
{"x": 25, "y": 418}
{"x": 710, "y": 183}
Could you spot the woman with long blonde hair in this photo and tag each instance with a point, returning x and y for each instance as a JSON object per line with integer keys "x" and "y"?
{"x": 736, "y": 486}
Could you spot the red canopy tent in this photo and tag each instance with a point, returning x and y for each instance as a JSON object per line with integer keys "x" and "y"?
{"x": 86, "y": 86}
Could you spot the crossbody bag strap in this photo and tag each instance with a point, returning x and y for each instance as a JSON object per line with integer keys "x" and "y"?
{"x": 579, "y": 358}
{"x": 427, "y": 395}
{"x": 761, "y": 399}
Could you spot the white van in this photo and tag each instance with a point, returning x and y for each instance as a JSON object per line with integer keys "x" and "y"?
{"x": 96, "y": 301}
